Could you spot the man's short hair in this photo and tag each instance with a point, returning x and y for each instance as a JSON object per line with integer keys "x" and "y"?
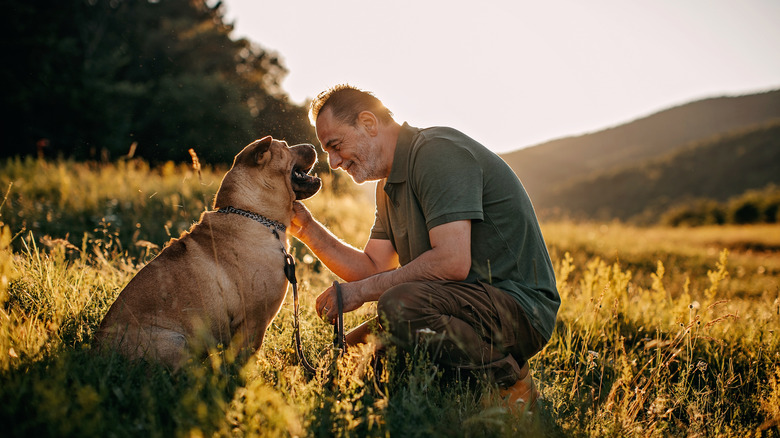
{"x": 347, "y": 102}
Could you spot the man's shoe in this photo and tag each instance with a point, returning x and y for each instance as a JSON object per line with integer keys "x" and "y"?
{"x": 520, "y": 397}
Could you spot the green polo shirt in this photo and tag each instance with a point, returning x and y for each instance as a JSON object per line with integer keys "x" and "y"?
{"x": 440, "y": 175}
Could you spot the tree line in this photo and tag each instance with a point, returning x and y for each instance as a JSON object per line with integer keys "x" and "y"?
{"x": 752, "y": 207}
{"x": 99, "y": 79}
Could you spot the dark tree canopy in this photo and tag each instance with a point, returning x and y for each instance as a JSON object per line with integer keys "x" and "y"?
{"x": 90, "y": 77}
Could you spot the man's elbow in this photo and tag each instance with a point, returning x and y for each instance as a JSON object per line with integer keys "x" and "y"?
{"x": 458, "y": 271}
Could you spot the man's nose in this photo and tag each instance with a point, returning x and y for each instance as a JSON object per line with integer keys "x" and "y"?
{"x": 334, "y": 160}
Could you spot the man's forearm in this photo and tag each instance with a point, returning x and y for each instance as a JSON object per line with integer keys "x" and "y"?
{"x": 341, "y": 258}
{"x": 448, "y": 259}
{"x": 430, "y": 266}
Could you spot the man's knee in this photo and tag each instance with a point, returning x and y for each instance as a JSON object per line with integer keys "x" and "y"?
{"x": 401, "y": 307}
{"x": 397, "y": 303}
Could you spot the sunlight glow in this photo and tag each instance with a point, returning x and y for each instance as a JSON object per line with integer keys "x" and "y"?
{"x": 515, "y": 73}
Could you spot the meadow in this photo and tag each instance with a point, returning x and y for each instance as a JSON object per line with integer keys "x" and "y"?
{"x": 662, "y": 331}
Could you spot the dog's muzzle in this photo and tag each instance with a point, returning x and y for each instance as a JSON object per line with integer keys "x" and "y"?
{"x": 303, "y": 184}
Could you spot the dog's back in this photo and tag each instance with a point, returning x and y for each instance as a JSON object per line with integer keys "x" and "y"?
{"x": 200, "y": 292}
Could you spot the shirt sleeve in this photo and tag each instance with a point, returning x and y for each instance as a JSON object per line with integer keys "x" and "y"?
{"x": 378, "y": 230}
{"x": 447, "y": 181}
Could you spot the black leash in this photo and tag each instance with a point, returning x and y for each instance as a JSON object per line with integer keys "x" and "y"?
{"x": 339, "y": 340}
{"x": 289, "y": 272}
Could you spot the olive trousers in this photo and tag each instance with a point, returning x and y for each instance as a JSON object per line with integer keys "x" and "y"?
{"x": 473, "y": 328}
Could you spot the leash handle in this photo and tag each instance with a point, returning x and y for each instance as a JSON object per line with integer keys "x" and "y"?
{"x": 289, "y": 268}
{"x": 339, "y": 339}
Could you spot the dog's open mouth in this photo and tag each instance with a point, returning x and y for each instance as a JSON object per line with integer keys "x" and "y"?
{"x": 303, "y": 184}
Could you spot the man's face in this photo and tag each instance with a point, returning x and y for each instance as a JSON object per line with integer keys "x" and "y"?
{"x": 351, "y": 148}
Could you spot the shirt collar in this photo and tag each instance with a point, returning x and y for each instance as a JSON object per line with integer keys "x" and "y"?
{"x": 403, "y": 146}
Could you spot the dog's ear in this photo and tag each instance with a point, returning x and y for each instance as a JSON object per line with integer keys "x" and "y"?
{"x": 261, "y": 147}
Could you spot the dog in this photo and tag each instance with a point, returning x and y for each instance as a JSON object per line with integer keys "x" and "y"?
{"x": 223, "y": 281}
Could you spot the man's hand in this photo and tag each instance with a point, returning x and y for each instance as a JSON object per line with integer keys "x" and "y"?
{"x": 327, "y": 305}
{"x": 301, "y": 219}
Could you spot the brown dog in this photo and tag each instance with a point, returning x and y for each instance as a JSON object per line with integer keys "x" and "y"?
{"x": 223, "y": 281}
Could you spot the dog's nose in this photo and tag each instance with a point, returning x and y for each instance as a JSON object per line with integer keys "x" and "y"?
{"x": 305, "y": 155}
{"x": 302, "y": 146}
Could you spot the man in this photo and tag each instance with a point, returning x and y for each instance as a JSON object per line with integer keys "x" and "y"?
{"x": 455, "y": 248}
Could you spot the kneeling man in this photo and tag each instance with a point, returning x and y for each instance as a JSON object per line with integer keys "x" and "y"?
{"x": 455, "y": 248}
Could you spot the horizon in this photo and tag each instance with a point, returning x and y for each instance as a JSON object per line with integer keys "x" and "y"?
{"x": 535, "y": 72}
{"x": 650, "y": 114}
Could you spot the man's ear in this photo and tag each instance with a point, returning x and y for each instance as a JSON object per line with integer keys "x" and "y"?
{"x": 369, "y": 122}
{"x": 261, "y": 147}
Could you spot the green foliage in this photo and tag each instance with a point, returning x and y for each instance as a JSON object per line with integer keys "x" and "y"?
{"x": 756, "y": 206}
{"x": 129, "y": 208}
{"x": 126, "y": 206}
{"x": 695, "y": 213}
{"x": 635, "y": 361}
{"x": 658, "y": 335}
{"x": 165, "y": 75}
{"x": 752, "y": 207}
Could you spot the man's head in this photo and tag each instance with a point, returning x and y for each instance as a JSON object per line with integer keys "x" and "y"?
{"x": 347, "y": 102}
{"x": 356, "y": 130}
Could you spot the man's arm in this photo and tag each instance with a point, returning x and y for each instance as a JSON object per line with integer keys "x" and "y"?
{"x": 347, "y": 262}
{"x": 448, "y": 259}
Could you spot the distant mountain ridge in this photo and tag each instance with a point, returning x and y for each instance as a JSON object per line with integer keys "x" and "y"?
{"x": 568, "y": 175}
{"x": 719, "y": 168}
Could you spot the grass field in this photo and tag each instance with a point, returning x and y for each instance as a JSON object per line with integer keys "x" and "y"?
{"x": 662, "y": 331}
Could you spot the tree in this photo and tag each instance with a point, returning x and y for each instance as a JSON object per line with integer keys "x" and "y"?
{"x": 94, "y": 76}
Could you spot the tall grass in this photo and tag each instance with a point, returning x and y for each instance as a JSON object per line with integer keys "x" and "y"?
{"x": 662, "y": 332}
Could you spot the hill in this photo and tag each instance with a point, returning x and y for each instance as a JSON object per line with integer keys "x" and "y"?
{"x": 550, "y": 170}
{"x": 719, "y": 168}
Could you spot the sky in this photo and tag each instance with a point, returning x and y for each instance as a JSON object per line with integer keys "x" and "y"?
{"x": 515, "y": 73}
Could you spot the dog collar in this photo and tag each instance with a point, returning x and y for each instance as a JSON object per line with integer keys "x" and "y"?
{"x": 254, "y": 216}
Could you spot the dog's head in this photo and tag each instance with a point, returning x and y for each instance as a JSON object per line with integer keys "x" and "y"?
{"x": 267, "y": 172}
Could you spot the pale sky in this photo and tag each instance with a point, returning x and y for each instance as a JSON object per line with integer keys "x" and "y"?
{"x": 514, "y": 73}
